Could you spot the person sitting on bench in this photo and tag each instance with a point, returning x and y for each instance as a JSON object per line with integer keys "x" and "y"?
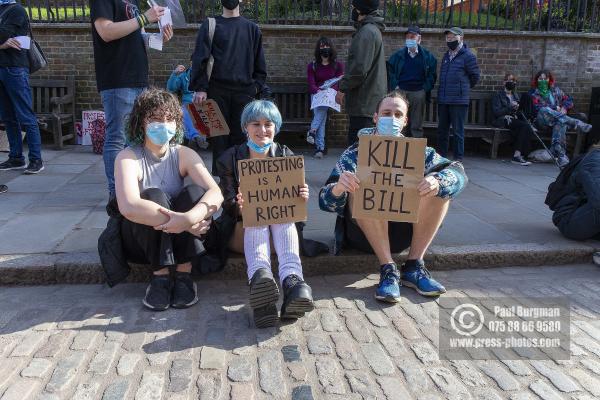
{"x": 505, "y": 107}
{"x": 443, "y": 181}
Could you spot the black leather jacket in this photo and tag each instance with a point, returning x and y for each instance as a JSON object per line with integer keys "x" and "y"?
{"x": 501, "y": 107}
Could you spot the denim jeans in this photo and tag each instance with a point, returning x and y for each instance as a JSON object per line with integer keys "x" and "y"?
{"x": 455, "y": 115}
{"x": 559, "y": 123}
{"x": 582, "y": 224}
{"x": 117, "y": 105}
{"x": 16, "y": 111}
{"x": 318, "y": 124}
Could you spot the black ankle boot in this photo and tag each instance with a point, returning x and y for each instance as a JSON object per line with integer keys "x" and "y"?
{"x": 297, "y": 298}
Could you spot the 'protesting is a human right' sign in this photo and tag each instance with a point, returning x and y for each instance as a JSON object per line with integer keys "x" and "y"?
{"x": 389, "y": 169}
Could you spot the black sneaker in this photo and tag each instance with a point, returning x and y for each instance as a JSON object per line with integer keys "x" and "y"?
{"x": 264, "y": 294}
{"x": 297, "y": 298}
{"x": 185, "y": 291}
{"x": 12, "y": 163}
{"x": 34, "y": 167}
{"x": 520, "y": 160}
{"x": 158, "y": 293}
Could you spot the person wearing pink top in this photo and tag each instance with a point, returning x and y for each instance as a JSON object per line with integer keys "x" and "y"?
{"x": 319, "y": 71}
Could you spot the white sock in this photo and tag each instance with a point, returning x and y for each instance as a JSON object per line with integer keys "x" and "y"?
{"x": 287, "y": 246}
{"x": 257, "y": 249}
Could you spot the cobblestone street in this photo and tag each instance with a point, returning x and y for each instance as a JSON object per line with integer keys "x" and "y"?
{"x": 92, "y": 342}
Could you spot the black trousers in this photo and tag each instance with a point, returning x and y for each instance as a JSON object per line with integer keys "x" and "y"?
{"x": 142, "y": 244}
{"x": 355, "y": 124}
{"x": 522, "y": 134}
{"x": 232, "y": 104}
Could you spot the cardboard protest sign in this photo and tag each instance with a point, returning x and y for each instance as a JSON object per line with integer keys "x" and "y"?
{"x": 271, "y": 190}
{"x": 208, "y": 119}
{"x": 389, "y": 169}
{"x": 325, "y": 98}
{"x": 84, "y": 137}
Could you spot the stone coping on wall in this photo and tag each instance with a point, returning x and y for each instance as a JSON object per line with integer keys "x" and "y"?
{"x": 332, "y": 28}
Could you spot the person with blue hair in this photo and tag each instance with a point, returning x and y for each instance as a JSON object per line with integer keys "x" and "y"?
{"x": 261, "y": 121}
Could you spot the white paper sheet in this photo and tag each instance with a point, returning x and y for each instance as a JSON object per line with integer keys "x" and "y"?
{"x": 325, "y": 98}
{"x": 165, "y": 19}
{"x": 155, "y": 41}
{"x": 24, "y": 41}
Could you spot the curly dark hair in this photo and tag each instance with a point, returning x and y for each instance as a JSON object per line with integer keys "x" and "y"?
{"x": 325, "y": 41}
{"x": 153, "y": 103}
{"x": 548, "y": 74}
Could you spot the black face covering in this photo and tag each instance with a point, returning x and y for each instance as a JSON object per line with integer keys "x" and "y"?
{"x": 452, "y": 45}
{"x": 326, "y": 52}
{"x": 230, "y": 4}
{"x": 509, "y": 85}
{"x": 355, "y": 14}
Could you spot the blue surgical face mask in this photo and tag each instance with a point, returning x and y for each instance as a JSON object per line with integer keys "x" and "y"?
{"x": 389, "y": 126}
{"x": 411, "y": 43}
{"x": 259, "y": 149}
{"x": 160, "y": 133}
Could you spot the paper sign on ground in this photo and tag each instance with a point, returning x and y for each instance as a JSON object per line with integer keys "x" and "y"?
{"x": 24, "y": 41}
{"x": 389, "y": 170}
{"x": 271, "y": 190}
{"x": 325, "y": 98}
{"x": 87, "y": 117}
{"x": 208, "y": 119}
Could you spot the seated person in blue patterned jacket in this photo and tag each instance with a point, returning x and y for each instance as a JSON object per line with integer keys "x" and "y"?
{"x": 443, "y": 181}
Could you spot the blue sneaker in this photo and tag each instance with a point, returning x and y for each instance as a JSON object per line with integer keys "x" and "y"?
{"x": 389, "y": 284}
{"x": 420, "y": 279}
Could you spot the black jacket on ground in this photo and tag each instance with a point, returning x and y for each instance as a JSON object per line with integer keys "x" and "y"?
{"x": 229, "y": 182}
{"x": 14, "y": 23}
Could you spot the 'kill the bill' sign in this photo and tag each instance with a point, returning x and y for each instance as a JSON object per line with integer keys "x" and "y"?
{"x": 271, "y": 190}
{"x": 389, "y": 169}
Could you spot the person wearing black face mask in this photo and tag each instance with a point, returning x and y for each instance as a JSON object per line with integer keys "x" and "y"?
{"x": 239, "y": 71}
{"x": 459, "y": 73}
{"x": 319, "y": 71}
{"x": 505, "y": 107}
{"x": 365, "y": 80}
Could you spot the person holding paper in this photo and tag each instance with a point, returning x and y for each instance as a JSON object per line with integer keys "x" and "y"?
{"x": 121, "y": 66}
{"x": 413, "y": 71}
{"x": 323, "y": 69}
{"x": 163, "y": 220}
{"x": 443, "y": 181}
{"x": 16, "y": 104}
{"x": 261, "y": 121}
{"x": 238, "y": 74}
{"x": 365, "y": 79}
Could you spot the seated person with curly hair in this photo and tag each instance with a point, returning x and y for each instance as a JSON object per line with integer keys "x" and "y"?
{"x": 163, "y": 220}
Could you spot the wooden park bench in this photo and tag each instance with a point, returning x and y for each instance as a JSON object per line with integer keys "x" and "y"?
{"x": 293, "y": 101}
{"x": 54, "y": 106}
{"x": 479, "y": 123}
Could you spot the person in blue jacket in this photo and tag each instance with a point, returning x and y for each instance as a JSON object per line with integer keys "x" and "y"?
{"x": 178, "y": 83}
{"x": 413, "y": 71}
{"x": 459, "y": 73}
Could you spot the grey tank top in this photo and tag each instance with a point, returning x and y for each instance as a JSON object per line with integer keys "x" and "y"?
{"x": 162, "y": 173}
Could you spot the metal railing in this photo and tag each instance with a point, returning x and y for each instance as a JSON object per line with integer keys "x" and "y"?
{"x": 526, "y": 15}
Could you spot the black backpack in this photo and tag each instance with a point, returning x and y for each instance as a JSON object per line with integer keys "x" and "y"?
{"x": 558, "y": 189}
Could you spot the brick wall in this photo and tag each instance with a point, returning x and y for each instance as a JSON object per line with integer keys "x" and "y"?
{"x": 574, "y": 58}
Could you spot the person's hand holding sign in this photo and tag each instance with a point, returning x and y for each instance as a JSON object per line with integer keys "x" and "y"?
{"x": 199, "y": 98}
{"x": 304, "y": 192}
{"x": 348, "y": 182}
{"x": 167, "y": 32}
{"x": 154, "y": 13}
{"x": 177, "y": 223}
{"x": 429, "y": 187}
{"x": 240, "y": 200}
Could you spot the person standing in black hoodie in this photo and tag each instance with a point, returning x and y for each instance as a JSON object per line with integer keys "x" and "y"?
{"x": 239, "y": 71}
{"x": 16, "y": 104}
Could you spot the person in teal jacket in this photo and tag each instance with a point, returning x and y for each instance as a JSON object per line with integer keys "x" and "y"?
{"x": 412, "y": 71}
{"x": 178, "y": 83}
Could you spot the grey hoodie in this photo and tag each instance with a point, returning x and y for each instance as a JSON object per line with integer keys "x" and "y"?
{"x": 365, "y": 79}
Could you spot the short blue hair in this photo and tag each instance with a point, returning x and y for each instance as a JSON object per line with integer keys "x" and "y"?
{"x": 259, "y": 109}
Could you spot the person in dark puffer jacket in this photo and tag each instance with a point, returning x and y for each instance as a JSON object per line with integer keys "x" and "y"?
{"x": 577, "y": 215}
{"x": 459, "y": 73}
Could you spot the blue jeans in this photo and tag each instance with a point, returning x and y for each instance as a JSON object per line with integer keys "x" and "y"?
{"x": 559, "y": 123}
{"x": 16, "y": 111}
{"x": 582, "y": 224}
{"x": 318, "y": 125}
{"x": 455, "y": 115}
{"x": 117, "y": 105}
